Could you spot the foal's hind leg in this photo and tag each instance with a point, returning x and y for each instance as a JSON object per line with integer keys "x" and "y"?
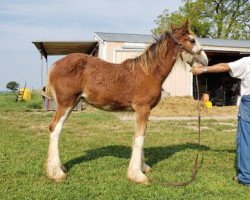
{"x": 55, "y": 170}
{"x": 137, "y": 165}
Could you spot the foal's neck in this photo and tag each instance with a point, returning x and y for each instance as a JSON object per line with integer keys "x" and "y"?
{"x": 166, "y": 64}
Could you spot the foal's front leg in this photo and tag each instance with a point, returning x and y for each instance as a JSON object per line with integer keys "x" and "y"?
{"x": 137, "y": 165}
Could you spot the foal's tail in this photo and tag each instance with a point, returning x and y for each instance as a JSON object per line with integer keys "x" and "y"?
{"x": 48, "y": 89}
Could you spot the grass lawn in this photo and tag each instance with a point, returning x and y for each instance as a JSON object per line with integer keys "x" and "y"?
{"x": 95, "y": 148}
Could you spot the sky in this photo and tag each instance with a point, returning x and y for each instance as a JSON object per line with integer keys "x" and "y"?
{"x": 24, "y": 21}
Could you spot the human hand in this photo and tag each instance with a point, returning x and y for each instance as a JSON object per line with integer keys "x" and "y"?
{"x": 197, "y": 69}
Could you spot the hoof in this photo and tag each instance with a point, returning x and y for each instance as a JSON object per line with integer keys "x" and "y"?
{"x": 57, "y": 174}
{"x": 138, "y": 177}
{"x": 146, "y": 168}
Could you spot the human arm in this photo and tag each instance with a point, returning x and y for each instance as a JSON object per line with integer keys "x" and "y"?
{"x": 217, "y": 68}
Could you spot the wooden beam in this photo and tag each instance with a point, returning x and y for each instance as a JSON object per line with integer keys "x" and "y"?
{"x": 43, "y": 51}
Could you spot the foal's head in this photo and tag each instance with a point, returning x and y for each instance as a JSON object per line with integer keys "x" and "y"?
{"x": 191, "y": 50}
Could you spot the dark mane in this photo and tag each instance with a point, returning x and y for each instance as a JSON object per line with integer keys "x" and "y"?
{"x": 160, "y": 47}
{"x": 147, "y": 59}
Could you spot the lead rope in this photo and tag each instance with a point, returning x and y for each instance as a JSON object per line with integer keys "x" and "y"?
{"x": 195, "y": 166}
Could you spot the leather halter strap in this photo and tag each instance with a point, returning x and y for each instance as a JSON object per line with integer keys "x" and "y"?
{"x": 195, "y": 55}
{"x": 195, "y": 165}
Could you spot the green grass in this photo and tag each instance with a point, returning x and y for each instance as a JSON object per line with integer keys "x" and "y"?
{"x": 95, "y": 148}
{"x": 8, "y": 102}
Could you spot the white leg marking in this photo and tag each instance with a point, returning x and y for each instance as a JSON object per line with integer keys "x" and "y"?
{"x": 145, "y": 168}
{"x": 135, "y": 165}
{"x": 55, "y": 169}
{"x": 137, "y": 152}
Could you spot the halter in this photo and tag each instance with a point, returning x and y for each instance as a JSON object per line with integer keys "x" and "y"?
{"x": 195, "y": 55}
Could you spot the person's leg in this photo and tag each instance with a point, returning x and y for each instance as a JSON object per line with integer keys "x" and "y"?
{"x": 243, "y": 151}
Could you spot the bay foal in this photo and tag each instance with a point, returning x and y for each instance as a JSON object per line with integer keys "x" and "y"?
{"x": 134, "y": 84}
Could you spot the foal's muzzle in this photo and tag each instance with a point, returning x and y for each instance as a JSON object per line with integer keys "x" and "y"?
{"x": 201, "y": 59}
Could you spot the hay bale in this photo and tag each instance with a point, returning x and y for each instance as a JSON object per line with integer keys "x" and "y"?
{"x": 187, "y": 106}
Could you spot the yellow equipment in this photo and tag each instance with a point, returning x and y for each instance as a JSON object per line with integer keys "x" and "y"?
{"x": 24, "y": 94}
{"x": 208, "y": 104}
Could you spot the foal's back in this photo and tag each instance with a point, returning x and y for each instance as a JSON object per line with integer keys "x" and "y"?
{"x": 102, "y": 84}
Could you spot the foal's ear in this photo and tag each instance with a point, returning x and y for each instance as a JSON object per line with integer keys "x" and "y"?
{"x": 185, "y": 26}
{"x": 173, "y": 27}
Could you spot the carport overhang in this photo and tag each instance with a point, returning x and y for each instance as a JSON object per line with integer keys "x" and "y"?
{"x": 56, "y": 48}
{"x": 228, "y": 51}
{"x": 225, "y": 54}
{"x": 59, "y": 48}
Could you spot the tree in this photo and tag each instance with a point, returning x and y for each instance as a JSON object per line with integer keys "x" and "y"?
{"x": 210, "y": 18}
{"x": 12, "y": 86}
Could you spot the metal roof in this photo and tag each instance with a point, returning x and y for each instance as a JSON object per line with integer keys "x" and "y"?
{"x": 124, "y": 37}
{"x": 64, "y": 48}
{"x": 140, "y": 38}
{"x": 224, "y": 42}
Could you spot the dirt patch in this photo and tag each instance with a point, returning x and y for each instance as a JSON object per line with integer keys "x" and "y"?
{"x": 226, "y": 124}
{"x": 196, "y": 128}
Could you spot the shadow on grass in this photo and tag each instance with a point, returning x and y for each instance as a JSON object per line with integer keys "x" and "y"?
{"x": 153, "y": 155}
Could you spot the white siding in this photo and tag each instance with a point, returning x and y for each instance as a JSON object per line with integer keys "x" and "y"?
{"x": 100, "y": 51}
{"x": 121, "y": 55}
{"x": 179, "y": 81}
{"x": 110, "y": 46}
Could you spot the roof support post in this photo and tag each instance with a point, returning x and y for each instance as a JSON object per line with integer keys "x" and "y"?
{"x": 42, "y": 70}
{"x": 47, "y": 66}
{"x": 43, "y": 53}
